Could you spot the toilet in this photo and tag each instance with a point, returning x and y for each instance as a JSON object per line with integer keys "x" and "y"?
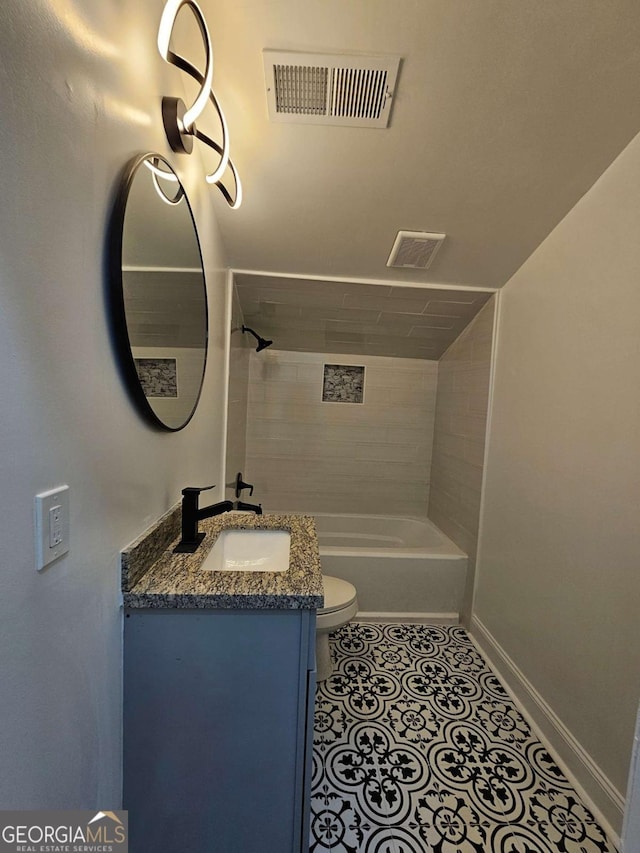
{"x": 340, "y": 606}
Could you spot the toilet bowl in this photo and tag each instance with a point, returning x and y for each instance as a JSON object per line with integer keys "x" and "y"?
{"x": 340, "y": 606}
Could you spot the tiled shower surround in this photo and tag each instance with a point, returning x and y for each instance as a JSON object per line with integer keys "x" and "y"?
{"x": 459, "y": 435}
{"x": 315, "y": 456}
{"x": 418, "y": 748}
{"x": 413, "y": 447}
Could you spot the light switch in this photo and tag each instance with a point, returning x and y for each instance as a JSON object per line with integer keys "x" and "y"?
{"x": 52, "y": 525}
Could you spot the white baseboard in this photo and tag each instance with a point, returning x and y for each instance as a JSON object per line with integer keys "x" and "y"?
{"x": 411, "y": 618}
{"x": 575, "y": 762}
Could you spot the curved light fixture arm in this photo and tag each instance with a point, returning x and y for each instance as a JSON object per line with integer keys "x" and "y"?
{"x": 167, "y": 22}
{"x": 158, "y": 174}
{"x": 179, "y": 121}
{"x": 214, "y": 178}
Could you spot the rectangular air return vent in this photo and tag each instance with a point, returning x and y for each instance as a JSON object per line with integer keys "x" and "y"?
{"x": 317, "y": 88}
{"x": 415, "y": 249}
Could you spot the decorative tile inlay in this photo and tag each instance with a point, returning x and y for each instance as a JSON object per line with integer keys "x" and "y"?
{"x": 418, "y": 747}
{"x": 343, "y": 383}
{"x": 158, "y": 376}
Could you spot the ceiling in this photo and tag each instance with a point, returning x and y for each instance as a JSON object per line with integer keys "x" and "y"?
{"x": 359, "y": 319}
{"x": 505, "y": 113}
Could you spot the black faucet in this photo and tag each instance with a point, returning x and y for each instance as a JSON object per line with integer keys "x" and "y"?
{"x": 191, "y": 514}
{"x": 243, "y": 507}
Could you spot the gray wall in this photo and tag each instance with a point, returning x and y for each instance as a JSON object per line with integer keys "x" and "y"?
{"x": 558, "y": 572}
{"x": 459, "y": 436}
{"x": 308, "y": 455}
{"x": 89, "y": 103}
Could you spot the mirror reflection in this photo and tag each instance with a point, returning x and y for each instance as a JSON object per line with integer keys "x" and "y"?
{"x": 164, "y": 294}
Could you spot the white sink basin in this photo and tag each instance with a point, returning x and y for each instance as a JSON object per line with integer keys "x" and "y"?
{"x": 249, "y": 551}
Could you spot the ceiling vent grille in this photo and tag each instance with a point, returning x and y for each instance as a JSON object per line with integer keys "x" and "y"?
{"x": 318, "y": 88}
{"x": 415, "y": 249}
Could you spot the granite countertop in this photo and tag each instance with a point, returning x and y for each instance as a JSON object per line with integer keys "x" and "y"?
{"x": 153, "y": 576}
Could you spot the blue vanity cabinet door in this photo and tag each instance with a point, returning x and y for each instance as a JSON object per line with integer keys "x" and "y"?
{"x": 308, "y": 752}
{"x": 216, "y": 738}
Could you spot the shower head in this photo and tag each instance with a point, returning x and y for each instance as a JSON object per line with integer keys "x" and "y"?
{"x": 262, "y": 343}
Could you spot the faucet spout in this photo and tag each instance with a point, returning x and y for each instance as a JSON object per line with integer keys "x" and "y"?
{"x": 215, "y": 509}
{"x": 244, "y": 507}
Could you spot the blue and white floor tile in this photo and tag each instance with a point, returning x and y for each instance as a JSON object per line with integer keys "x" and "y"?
{"x": 418, "y": 748}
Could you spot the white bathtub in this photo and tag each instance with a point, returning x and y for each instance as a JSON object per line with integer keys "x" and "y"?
{"x": 403, "y": 568}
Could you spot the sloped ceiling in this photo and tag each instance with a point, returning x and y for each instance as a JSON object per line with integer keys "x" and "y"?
{"x": 348, "y": 318}
{"x": 507, "y": 111}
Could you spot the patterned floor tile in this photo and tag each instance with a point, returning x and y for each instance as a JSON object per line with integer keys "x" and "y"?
{"x": 446, "y": 822}
{"x": 379, "y": 771}
{"x": 392, "y": 657}
{"x": 388, "y": 839}
{"x": 413, "y": 721}
{"x": 512, "y": 839}
{"x": 330, "y": 722}
{"x": 558, "y": 816}
{"x": 361, "y": 688}
{"x": 423, "y": 640}
{"x": 418, "y": 748}
{"x": 337, "y": 824}
{"x": 544, "y": 766}
{"x": 355, "y": 639}
{"x": 401, "y": 839}
{"x": 492, "y": 776}
{"x": 450, "y": 693}
{"x": 502, "y": 722}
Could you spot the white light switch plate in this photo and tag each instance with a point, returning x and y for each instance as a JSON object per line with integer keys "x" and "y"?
{"x": 52, "y": 525}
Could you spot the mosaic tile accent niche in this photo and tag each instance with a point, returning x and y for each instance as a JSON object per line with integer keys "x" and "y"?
{"x": 343, "y": 383}
{"x": 158, "y": 376}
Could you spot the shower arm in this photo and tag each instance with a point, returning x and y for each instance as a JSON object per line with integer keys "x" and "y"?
{"x": 262, "y": 343}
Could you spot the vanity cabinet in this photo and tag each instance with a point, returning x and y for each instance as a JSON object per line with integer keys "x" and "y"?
{"x": 218, "y": 720}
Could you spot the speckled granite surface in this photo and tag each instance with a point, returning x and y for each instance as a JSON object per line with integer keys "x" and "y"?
{"x": 155, "y": 577}
{"x": 137, "y": 557}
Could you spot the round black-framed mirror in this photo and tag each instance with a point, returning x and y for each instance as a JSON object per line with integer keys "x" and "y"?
{"x": 158, "y": 293}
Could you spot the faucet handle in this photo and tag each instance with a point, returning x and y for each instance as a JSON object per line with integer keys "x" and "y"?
{"x": 190, "y": 490}
{"x": 240, "y": 485}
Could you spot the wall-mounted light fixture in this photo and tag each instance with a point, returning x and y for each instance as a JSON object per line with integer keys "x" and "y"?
{"x": 159, "y": 175}
{"x": 180, "y": 121}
